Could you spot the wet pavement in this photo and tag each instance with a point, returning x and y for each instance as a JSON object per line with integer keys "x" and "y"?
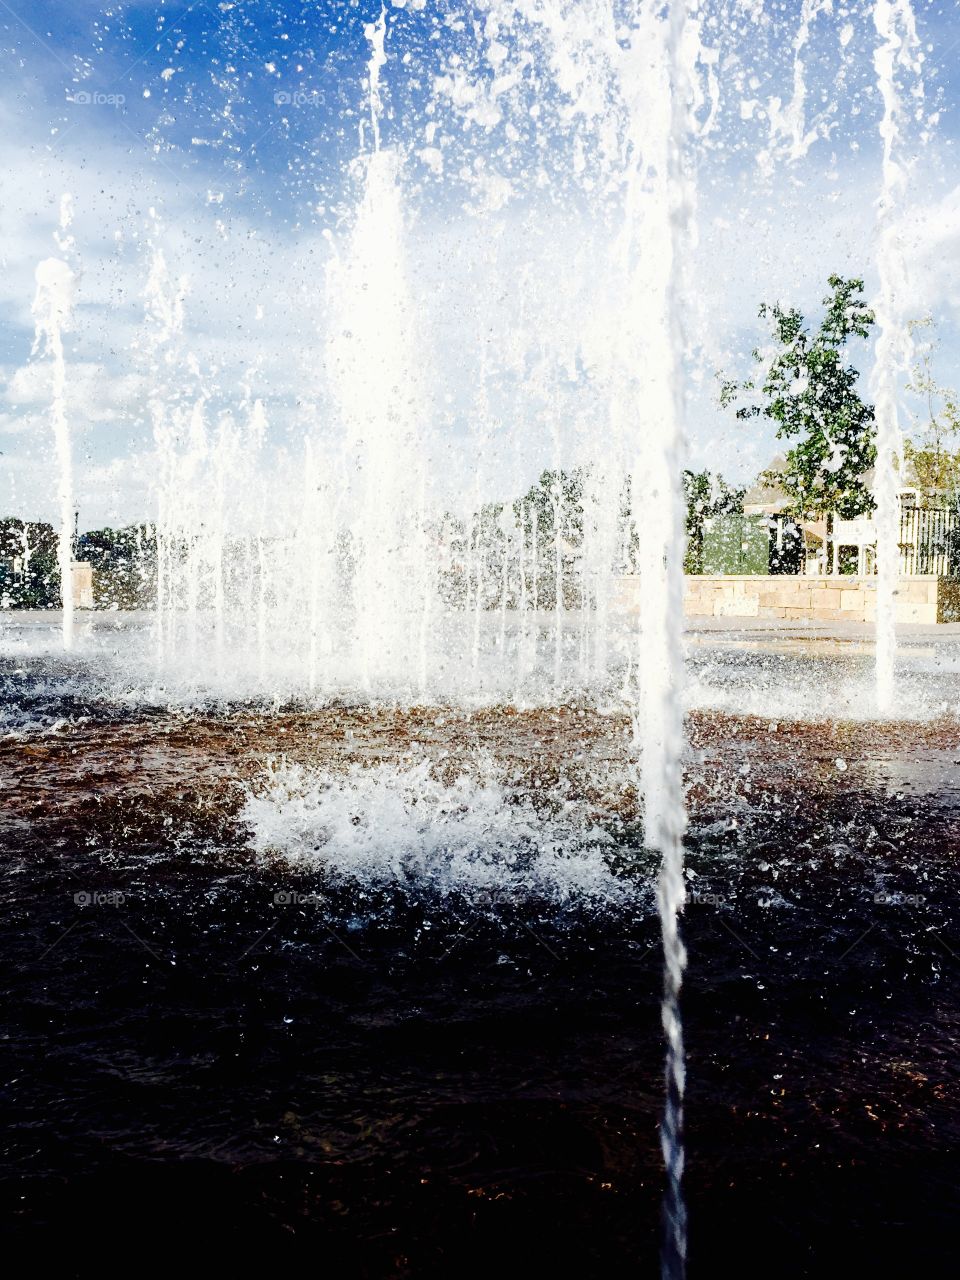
{"x": 301, "y": 1062}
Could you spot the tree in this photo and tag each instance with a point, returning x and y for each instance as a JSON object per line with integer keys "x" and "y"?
{"x": 807, "y": 389}
{"x": 707, "y": 495}
{"x": 124, "y": 566}
{"x": 29, "y": 572}
{"x": 931, "y": 465}
{"x": 552, "y": 508}
{"x": 557, "y": 497}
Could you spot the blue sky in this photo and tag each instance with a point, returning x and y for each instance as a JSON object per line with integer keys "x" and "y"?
{"x": 226, "y": 132}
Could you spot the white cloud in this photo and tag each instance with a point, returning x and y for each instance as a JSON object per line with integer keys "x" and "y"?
{"x": 513, "y": 308}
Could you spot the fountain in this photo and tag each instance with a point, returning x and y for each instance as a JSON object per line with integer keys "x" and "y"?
{"x": 351, "y": 595}
{"x": 371, "y": 362}
{"x": 51, "y": 312}
{"x": 387, "y": 660}
{"x": 897, "y": 52}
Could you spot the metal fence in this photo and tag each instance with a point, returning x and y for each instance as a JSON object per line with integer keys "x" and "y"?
{"x": 930, "y": 541}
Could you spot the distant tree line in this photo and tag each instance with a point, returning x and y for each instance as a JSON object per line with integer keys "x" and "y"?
{"x": 481, "y": 553}
{"x": 803, "y": 384}
{"x": 543, "y": 529}
{"x": 123, "y": 560}
{"x": 124, "y": 565}
{"x": 29, "y": 572}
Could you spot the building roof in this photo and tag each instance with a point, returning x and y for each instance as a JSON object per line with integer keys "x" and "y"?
{"x": 763, "y": 497}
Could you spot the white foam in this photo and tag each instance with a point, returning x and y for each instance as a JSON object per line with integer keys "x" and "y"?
{"x": 386, "y": 826}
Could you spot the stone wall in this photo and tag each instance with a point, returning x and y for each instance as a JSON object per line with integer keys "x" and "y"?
{"x": 920, "y": 598}
{"x": 82, "y": 584}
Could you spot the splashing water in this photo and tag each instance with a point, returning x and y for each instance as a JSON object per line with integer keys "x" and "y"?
{"x": 51, "y": 312}
{"x": 505, "y": 203}
{"x": 896, "y": 53}
{"x": 376, "y": 33}
{"x": 661, "y": 570}
{"x": 377, "y": 552}
{"x": 406, "y": 829}
{"x": 164, "y": 301}
{"x": 380, "y": 413}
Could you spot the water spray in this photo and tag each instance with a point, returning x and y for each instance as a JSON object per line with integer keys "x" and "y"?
{"x": 52, "y": 307}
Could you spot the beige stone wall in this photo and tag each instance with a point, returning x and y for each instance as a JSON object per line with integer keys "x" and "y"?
{"x": 82, "y": 584}
{"x": 920, "y": 598}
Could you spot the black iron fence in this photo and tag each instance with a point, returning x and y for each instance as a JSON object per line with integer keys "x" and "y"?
{"x": 930, "y": 541}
